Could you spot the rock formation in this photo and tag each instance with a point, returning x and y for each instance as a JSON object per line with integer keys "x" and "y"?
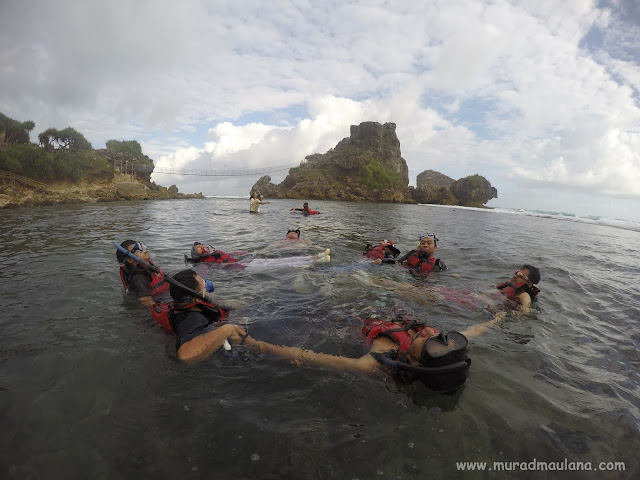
{"x": 368, "y": 165}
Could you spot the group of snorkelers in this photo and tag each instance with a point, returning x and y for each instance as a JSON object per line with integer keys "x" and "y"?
{"x": 400, "y": 345}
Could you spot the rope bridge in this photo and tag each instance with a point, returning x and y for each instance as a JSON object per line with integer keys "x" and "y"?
{"x": 239, "y": 172}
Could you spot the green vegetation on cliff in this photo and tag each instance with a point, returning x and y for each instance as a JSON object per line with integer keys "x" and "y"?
{"x": 376, "y": 176}
{"x": 66, "y": 155}
{"x": 57, "y": 165}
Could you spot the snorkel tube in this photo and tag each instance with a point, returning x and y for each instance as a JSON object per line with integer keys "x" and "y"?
{"x": 448, "y": 352}
{"x": 167, "y": 278}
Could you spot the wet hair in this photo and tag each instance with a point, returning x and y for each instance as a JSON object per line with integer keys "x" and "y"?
{"x": 123, "y": 256}
{"x": 534, "y": 273}
{"x": 186, "y": 278}
{"x": 305, "y": 204}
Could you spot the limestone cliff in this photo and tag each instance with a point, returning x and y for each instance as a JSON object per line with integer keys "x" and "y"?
{"x": 367, "y": 165}
{"x": 471, "y": 191}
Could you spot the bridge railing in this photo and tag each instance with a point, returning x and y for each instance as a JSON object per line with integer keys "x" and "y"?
{"x": 12, "y": 179}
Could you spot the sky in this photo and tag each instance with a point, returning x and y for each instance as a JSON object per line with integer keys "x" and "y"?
{"x": 541, "y": 98}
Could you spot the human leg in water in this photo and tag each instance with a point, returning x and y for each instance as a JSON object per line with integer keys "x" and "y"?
{"x": 258, "y": 264}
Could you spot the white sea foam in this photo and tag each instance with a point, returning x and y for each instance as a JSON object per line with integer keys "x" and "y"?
{"x": 596, "y": 220}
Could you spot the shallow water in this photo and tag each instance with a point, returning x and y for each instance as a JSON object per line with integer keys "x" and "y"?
{"x": 90, "y": 386}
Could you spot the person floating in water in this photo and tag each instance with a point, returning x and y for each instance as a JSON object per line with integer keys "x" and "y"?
{"x": 208, "y": 254}
{"x": 401, "y": 346}
{"x": 196, "y": 322}
{"x": 423, "y": 259}
{"x": 305, "y": 209}
{"x": 292, "y": 241}
{"x": 255, "y": 202}
{"x": 517, "y": 294}
{"x": 521, "y": 287}
{"x": 384, "y": 252}
{"x": 136, "y": 278}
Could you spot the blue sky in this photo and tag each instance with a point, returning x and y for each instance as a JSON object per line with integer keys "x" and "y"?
{"x": 542, "y": 98}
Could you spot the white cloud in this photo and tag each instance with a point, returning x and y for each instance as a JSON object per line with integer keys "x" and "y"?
{"x": 542, "y": 94}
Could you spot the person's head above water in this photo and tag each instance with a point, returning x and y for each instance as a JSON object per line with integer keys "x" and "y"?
{"x": 138, "y": 248}
{"x": 528, "y": 274}
{"x": 293, "y": 234}
{"x": 428, "y": 244}
{"x": 438, "y": 360}
{"x": 190, "y": 279}
{"x": 197, "y": 249}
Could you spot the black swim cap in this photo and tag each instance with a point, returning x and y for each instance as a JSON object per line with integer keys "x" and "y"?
{"x": 122, "y": 256}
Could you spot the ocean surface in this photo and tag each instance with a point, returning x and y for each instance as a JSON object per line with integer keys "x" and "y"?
{"x": 90, "y": 387}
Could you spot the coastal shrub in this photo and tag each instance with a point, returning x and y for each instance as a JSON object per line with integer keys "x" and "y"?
{"x": 68, "y": 138}
{"x": 124, "y": 146}
{"x": 21, "y": 159}
{"x": 14, "y": 131}
{"x": 68, "y": 166}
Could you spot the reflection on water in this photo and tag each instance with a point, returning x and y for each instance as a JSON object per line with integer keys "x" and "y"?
{"x": 90, "y": 387}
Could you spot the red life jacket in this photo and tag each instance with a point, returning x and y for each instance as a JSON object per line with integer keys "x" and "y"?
{"x": 219, "y": 257}
{"x": 422, "y": 264}
{"x": 161, "y": 312}
{"x": 512, "y": 291}
{"x": 157, "y": 284}
{"x": 376, "y": 252}
{"x": 397, "y": 330}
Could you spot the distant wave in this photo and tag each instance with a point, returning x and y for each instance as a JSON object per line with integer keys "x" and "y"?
{"x": 245, "y": 197}
{"x": 592, "y": 219}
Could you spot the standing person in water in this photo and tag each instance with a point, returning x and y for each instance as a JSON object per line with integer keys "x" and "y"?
{"x": 305, "y": 209}
{"x": 255, "y": 202}
{"x": 423, "y": 259}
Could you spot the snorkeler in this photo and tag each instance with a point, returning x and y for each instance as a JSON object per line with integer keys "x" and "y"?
{"x": 305, "y": 209}
{"x": 423, "y": 259}
{"x": 208, "y": 254}
{"x": 292, "y": 241}
{"x": 384, "y": 252}
{"x": 136, "y": 277}
{"x": 402, "y": 346}
{"x": 516, "y": 295}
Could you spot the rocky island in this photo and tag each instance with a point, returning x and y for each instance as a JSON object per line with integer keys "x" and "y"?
{"x": 368, "y": 166}
{"x": 64, "y": 168}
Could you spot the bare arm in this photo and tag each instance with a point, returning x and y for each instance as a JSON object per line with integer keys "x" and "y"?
{"x": 365, "y": 364}
{"x": 482, "y": 328}
{"x": 205, "y": 345}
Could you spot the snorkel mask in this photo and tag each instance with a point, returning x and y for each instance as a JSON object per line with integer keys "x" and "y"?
{"x": 139, "y": 246}
{"x": 296, "y": 231}
{"x": 443, "y": 367}
{"x": 429, "y": 235}
{"x": 444, "y": 348}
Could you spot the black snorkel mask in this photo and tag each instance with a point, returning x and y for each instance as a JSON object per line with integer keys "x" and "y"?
{"x": 443, "y": 365}
{"x": 296, "y": 231}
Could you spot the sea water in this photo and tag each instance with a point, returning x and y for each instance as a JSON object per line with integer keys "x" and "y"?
{"x": 90, "y": 387}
